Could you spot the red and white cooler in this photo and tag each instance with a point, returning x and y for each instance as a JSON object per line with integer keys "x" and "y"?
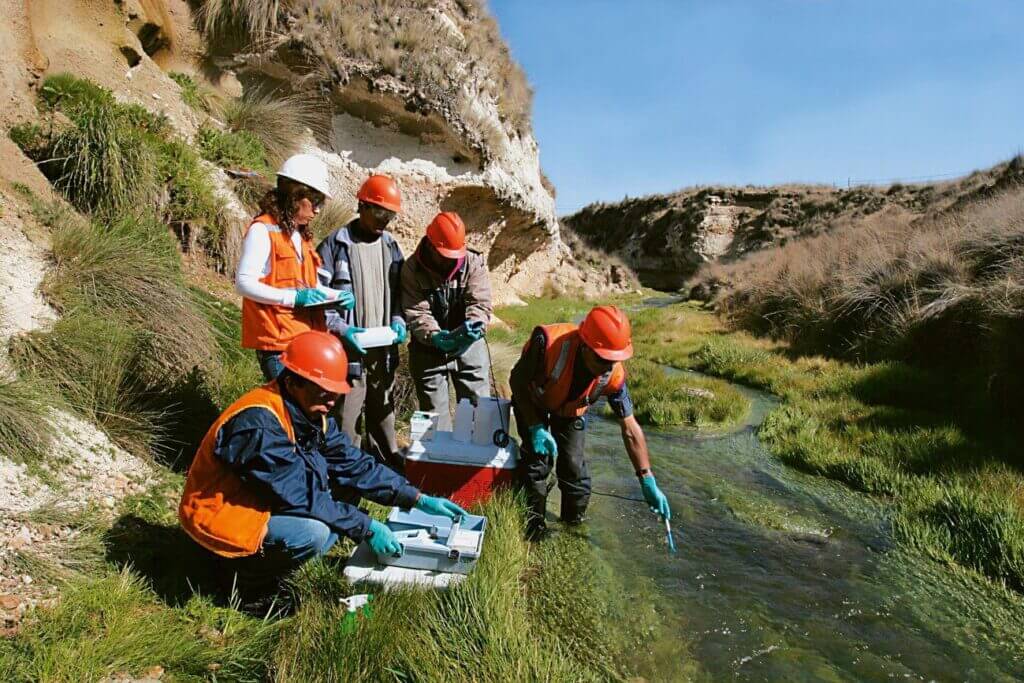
{"x": 466, "y": 465}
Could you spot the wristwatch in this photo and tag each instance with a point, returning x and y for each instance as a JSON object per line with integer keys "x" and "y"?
{"x": 643, "y": 472}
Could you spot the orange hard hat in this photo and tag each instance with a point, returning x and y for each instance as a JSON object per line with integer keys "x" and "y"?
{"x": 320, "y": 358}
{"x": 607, "y": 332}
{"x": 447, "y": 233}
{"x": 382, "y": 191}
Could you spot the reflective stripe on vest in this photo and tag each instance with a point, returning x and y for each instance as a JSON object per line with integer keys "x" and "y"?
{"x": 268, "y": 327}
{"x": 217, "y": 509}
{"x": 552, "y": 393}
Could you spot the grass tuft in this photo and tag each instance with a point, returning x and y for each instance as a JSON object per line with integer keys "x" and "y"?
{"x": 278, "y": 121}
{"x": 25, "y": 431}
{"x": 241, "y": 150}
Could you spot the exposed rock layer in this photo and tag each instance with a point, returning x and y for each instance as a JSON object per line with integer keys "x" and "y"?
{"x": 666, "y": 238}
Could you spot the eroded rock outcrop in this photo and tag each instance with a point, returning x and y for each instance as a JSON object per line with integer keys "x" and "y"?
{"x": 666, "y": 238}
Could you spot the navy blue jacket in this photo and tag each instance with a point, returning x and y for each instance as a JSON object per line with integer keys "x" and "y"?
{"x": 298, "y": 479}
{"x": 336, "y": 273}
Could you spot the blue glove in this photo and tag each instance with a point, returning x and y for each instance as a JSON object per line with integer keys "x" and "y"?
{"x": 439, "y": 506}
{"x": 306, "y": 297}
{"x": 401, "y": 331}
{"x": 654, "y": 497}
{"x": 444, "y": 341}
{"x": 382, "y": 540}
{"x": 474, "y": 330}
{"x": 542, "y": 442}
{"x": 350, "y": 340}
{"x": 347, "y": 300}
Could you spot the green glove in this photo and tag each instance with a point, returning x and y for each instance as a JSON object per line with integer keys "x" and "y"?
{"x": 308, "y": 296}
{"x": 401, "y": 331}
{"x": 350, "y": 340}
{"x": 382, "y": 540}
{"x": 542, "y": 442}
{"x": 439, "y": 506}
{"x": 347, "y": 300}
{"x": 444, "y": 341}
{"x": 654, "y": 497}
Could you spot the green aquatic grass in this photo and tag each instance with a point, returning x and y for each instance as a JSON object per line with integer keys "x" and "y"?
{"x": 664, "y": 399}
{"x": 922, "y": 440}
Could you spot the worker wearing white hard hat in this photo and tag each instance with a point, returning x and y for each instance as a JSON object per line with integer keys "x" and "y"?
{"x": 277, "y": 274}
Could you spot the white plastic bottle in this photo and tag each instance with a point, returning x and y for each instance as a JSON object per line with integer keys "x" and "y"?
{"x": 463, "y": 421}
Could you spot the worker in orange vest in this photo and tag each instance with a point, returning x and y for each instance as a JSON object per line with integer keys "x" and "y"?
{"x": 275, "y": 481}
{"x": 277, "y": 273}
{"x": 563, "y": 370}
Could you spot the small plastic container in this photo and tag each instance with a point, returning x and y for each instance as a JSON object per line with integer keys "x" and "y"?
{"x": 375, "y": 337}
{"x": 463, "y": 421}
{"x": 436, "y": 543}
{"x": 422, "y": 426}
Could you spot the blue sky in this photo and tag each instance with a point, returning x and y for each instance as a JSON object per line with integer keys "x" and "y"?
{"x": 650, "y": 96}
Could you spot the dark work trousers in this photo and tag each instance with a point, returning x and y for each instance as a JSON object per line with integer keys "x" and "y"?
{"x": 372, "y": 400}
{"x": 430, "y": 370}
{"x": 570, "y": 469}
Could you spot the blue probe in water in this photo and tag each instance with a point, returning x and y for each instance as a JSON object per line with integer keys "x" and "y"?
{"x": 668, "y": 535}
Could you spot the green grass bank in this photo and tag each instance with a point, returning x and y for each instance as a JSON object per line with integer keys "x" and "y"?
{"x": 925, "y": 441}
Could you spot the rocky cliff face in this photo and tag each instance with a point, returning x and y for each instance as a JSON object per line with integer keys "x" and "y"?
{"x": 425, "y": 92}
{"x": 667, "y": 238}
{"x": 428, "y": 94}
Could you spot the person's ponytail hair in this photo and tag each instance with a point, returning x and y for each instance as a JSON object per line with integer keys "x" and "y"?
{"x": 279, "y": 204}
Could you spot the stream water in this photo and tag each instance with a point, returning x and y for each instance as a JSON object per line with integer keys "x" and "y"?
{"x": 784, "y": 576}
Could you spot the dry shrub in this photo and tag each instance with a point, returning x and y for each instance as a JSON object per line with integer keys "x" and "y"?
{"x": 936, "y": 290}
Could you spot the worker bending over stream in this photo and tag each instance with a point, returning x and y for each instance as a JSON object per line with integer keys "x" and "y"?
{"x": 563, "y": 370}
{"x": 276, "y": 481}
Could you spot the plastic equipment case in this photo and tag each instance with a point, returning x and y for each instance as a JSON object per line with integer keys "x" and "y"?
{"x": 465, "y": 465}
{"x": 436, "y": 543}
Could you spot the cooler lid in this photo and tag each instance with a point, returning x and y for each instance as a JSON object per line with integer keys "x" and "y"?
{"x": 446, "y": 450}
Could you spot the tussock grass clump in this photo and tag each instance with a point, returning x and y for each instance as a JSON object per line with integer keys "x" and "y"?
{"x": 25, "y": 430}
{"x": 241, "y": 150}
{"x": 96, "y": 366}
{"x": 278, "y": 121}
{"x": 510, "y": 620}
{"x": 109, "y": 159}
{"x": 114, "y": 625}
{"x": 128, "y": 269}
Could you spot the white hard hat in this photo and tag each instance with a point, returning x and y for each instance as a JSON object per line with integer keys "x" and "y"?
{"x": 309, "y": 170}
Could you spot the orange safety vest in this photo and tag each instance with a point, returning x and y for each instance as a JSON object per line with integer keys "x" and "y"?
{"x": 269, "y": 327}
{"x": 217, "y": 509}
{"x": 550, "y": 390}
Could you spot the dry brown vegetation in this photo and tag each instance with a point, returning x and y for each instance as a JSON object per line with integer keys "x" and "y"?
{"x": 946, "y": 291}
{"x": 439, "y": 50}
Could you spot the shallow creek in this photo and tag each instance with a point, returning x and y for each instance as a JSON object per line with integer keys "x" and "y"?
{"x": 785, "y": 576}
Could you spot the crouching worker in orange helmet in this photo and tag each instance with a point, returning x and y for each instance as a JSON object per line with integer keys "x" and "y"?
{"x": 563, "y": 370}
{"x": 275, "y": 481}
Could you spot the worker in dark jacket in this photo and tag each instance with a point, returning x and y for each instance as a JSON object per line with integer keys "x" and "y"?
{"x": 363, "y": 258}
{"x": 564, "y": 369}
{"x": 275, "y": 481}
{"x": 446, "y": 294}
